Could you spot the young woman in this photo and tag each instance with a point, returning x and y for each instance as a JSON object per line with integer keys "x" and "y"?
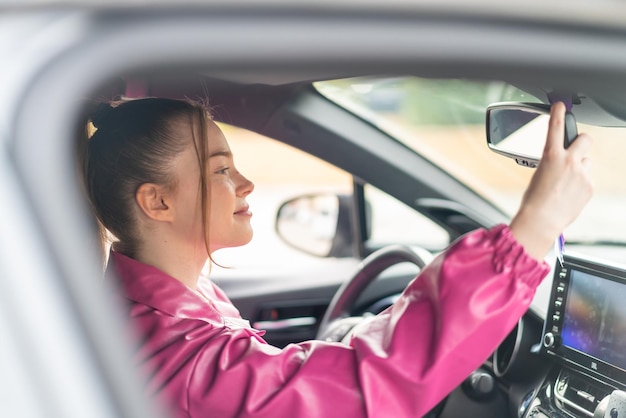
{"x": 161, "y": 178}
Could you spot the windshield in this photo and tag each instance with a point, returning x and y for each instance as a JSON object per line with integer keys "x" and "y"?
{"x": 444, "y": 120}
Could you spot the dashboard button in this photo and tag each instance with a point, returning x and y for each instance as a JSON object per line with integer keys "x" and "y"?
{"x": 548, "y": 340}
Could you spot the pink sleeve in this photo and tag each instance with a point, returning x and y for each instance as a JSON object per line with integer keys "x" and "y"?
{"x": 400, "y": 364}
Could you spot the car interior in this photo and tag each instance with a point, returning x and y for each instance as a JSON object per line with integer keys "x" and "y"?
{"x": 379, "y": 197}
{"x": 547, "y": 365}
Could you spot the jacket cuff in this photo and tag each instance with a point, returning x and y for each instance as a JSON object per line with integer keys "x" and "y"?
{"x": 510, "y": 257}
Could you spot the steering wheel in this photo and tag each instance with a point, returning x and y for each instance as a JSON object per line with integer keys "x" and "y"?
{"x": 337, "y": 323}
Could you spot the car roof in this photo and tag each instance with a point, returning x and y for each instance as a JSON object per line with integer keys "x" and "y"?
{"x": 607, "y": 13}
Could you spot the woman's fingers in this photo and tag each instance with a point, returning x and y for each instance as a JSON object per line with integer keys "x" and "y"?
{"x": 555, "y": 142}
{"x": 581, "y": 146}
{"x": 556, "y": 129}
{"x": 556, "y": 134}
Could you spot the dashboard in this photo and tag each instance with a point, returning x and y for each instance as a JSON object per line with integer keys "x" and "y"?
{"x": 572, "y": 366}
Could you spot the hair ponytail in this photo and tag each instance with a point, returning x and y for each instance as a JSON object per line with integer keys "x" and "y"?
{"x": 85, "y": 131}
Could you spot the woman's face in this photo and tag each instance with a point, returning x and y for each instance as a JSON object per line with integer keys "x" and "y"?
{"x": 229, "y": 214}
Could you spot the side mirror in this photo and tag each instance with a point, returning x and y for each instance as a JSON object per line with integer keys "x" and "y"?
{"x": 318, "y": 224}
{"x": 519, "y": 130}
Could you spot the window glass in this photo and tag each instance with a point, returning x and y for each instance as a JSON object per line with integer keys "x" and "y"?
{"x": 393, "y": 222}
{"x": 444, "y": 120}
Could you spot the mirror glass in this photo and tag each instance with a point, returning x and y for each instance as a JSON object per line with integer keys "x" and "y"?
{"x": 309, "y": 223}
{"x": 518, "y": 131}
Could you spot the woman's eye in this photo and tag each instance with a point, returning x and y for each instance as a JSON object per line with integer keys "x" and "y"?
{"x": 222, "y": 170}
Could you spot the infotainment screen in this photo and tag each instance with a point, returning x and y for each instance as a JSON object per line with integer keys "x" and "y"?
{"x": 586, "y": 323}
{"x": 594, "y": 320}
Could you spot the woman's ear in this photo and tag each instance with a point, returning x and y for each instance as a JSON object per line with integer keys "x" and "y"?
{"x": 152, "y": 200}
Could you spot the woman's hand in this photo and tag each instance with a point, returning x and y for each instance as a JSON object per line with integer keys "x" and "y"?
{"x": 558, "y": 191}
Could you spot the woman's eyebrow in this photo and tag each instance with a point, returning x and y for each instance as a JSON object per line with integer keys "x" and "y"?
{"x": 221, "y": 153}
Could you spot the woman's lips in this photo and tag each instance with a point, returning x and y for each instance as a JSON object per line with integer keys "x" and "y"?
{"x": 244, "y": 211}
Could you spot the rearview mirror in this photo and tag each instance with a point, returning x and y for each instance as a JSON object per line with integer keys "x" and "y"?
{"x": 519, "y": 130}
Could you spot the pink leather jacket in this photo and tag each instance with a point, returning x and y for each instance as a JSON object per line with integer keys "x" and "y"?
{"x": 199, "y": 356}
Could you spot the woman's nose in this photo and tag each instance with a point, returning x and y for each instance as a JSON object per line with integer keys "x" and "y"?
{"x": 245, "y": 186}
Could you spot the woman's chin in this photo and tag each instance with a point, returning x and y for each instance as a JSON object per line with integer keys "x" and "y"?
{"x": 233, "y": 244}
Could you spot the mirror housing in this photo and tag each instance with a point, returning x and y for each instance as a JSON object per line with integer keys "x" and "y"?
{"x": 318, "y": 224}
{"x": 519, "y": 130}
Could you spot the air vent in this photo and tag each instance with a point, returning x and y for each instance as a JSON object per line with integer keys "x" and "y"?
{"x": 576, "y": 394}
{"x": 288, "y": 322}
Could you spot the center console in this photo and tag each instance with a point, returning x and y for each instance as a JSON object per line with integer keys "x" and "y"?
{"x": 585, "y": 335}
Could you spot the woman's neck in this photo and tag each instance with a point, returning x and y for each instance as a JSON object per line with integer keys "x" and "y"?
{"x": 183, "y": 264}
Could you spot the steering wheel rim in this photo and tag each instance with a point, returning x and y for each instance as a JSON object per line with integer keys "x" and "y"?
{"x": 369, "y": 269}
